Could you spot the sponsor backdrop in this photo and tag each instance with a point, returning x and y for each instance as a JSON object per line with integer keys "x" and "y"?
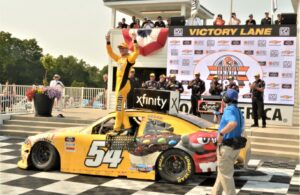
{"x": 236, "y": 51}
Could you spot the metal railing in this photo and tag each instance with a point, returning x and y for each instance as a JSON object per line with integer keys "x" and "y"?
{"x": 13, "y": 99}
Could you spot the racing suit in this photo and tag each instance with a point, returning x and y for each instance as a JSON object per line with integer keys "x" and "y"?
{"x": 122, "y": 84}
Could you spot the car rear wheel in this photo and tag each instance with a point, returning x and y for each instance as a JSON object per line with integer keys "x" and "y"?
{"x": 44, "y": 156}
{"x": 175, "y": 166}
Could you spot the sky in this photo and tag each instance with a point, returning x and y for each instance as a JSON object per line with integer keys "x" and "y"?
{"x": 78, "y": 27}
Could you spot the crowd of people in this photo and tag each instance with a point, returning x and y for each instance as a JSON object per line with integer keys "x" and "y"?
{"x": 147, "y": 23}
{"x": 234, "y": 20}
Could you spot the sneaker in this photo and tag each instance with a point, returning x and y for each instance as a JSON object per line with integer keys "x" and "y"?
{"x": 254, "y": 125}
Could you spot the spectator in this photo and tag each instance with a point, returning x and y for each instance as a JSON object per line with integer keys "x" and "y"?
{"x": 149, "y": 24}
{"x": 124, "y": 25}
{"x": 266, "y": 20}
{"x": 198, "y": 87}
{"x": 250, "y": 21}
{"x": 151, "y": 84}
{"x": 219, "y": 20}
{"x": 234, "y": 20}
{"x": 8, "y": 97}
{"x": 160, "y": 23}
{"x": 137, "y": 24}
{"x": 144, "y": 22}
{"x": 215, "y": 87}
{"x": 168, "y": 22}
{"x": 56, "y": 83}
{"x": 279, "y": 19}
{"x": 232, "y": 84}
{"x": 105, "y": 79}
{"x": 133, "y": 22}
{"x": 162, "y": 84}
{"x": 119, "y": 25}
{"x": 134, "y": 83}
{"x": 174, "y": 85}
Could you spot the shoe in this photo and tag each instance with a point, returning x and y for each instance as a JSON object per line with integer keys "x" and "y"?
{"x": 264, "y": 126}
{"x": 254, "y": 125}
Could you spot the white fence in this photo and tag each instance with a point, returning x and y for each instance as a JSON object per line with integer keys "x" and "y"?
{"x": 13, "y": 99}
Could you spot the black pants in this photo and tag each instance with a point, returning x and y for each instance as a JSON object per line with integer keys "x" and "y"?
{"x": 130, "y": 101}
{"x": 258, "y": 110}
{"x": 194, "y": 102}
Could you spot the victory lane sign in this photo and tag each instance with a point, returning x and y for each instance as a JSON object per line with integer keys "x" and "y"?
{"x": 158, "y": 100}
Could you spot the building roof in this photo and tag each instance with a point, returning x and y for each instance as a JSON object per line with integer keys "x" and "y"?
{"x": 153, "y": 8}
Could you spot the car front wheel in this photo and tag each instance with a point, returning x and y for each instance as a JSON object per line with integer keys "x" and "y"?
{"x": 44, "y": 156}
{"x": 175, "y": 166}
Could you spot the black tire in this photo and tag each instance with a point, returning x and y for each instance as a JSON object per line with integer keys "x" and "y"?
{"x": 44, "y": 156}
{"x": 175, "y": 166}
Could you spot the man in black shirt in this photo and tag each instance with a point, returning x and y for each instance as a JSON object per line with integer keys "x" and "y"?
{"x": 257, "y": 90}
{"x": 215, "y": 87}
{"x": 232, "y": 84}
{"x": 133, "y": 22}
{"x": 266, "y": 20}
{"x": 250, "y": 21}
{"x": 174, "y": 85}
{"x": 198, "y": 87}
{"x": 159, "y": 23}
{"x": 151, "y": 84}
{"x": 124, "y": 25}
{"x": 134, "y": 83}
{"x": 162, "y": 83}
{"x": 279, "y": 19}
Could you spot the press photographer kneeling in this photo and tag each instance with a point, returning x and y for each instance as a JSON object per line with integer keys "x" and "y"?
{"x": 230, "y": 141}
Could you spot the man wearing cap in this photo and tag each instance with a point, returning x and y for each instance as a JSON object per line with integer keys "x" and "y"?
{"x": 134, "y": 83}
{"x": 215, "y": 87}
{"x": 232, "y": 84}
{"x": 125, "y": 62}
{"x": 151, "y": 84}
{"x": 162, "y": 83}
{"x": 174, "y": 85}
{"x": 257, "y": 90}
{"x": 198, "y": 87}
{"x": 231, "y": 127}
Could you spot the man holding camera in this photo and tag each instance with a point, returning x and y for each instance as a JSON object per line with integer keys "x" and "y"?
{"x": 230, "y": 142}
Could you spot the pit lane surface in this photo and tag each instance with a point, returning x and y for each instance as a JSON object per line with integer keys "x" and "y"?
{"x": 263, "y": 177}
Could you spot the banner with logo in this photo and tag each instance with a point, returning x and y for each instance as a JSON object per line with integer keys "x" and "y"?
{"x": 241, "y": 52}
{"x": 160, "y": 100}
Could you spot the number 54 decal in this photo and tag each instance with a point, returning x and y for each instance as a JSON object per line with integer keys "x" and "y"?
{"x": 97, "y": 156}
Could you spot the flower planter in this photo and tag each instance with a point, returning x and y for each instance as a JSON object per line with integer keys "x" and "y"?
{"x": 43, "y": 105}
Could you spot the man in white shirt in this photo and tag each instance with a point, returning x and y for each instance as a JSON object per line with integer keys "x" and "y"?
{"x": 234, "y": 20}
{"x": 56, "y": 83}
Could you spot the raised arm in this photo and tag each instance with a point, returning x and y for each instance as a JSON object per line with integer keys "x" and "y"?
{"x": 132, "y": 57}
{"x": 110, "y": 52}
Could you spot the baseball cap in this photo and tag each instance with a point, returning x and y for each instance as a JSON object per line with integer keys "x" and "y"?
{"x": 257, "y": 75}
{"x": 232, "y": 94}
{"x": 123, "y": 45}
{"x": 197, "y": 73}
{"x": 132, "y": 70}
{"x": 152, "y": 75}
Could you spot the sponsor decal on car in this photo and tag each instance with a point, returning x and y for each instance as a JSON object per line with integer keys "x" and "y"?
{"x": 70, "y": 145}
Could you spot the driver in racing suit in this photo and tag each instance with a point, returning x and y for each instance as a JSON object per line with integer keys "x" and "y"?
{"x": 125, "y": 63}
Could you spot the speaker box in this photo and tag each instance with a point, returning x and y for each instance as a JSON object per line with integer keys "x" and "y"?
{"x": 289, "y": 18}
{"x": 178, "y": 21}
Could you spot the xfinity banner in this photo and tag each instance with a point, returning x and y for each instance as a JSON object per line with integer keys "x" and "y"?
{"x": 160, "y": 100}
{"x": 238, "y": 51}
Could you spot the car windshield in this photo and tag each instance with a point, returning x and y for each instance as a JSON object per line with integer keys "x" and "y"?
{"x": 195, "y": 120}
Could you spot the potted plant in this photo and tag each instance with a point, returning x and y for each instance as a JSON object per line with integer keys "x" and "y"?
{"x": 43, "y": 99}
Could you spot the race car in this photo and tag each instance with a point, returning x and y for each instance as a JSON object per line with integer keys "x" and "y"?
{"x": 173, "y": 147}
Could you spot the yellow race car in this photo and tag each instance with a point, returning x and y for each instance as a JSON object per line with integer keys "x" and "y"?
{"x": 171, "y": 146}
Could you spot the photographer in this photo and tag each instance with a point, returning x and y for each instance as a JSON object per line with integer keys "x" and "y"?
{"x": 230, "y": 142}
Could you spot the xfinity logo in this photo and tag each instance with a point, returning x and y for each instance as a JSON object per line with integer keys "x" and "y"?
{"x": 144, "y": 100}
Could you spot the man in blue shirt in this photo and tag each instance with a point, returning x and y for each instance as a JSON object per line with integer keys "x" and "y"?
{"x": 231, "y": 126}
